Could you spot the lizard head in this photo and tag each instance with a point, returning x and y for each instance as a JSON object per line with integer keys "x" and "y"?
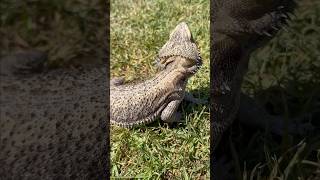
{"x": 180, "y": 44}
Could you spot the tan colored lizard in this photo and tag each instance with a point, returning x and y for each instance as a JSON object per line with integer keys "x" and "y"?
{"x": 160, "y": 96}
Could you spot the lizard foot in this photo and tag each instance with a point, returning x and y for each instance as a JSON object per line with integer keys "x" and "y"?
{"x": 270, "y": 23}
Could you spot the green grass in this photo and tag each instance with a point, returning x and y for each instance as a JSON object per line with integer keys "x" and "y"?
{"x": 284, "y": 75}
{"x": 71, "y": 32}
{"x": 138, "y": 30}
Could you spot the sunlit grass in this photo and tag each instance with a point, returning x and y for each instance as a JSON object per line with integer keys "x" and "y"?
{"x": 284, "y": 75}
{"x": 138, "y": 30}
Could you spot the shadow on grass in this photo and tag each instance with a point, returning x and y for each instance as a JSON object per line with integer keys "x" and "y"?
{"x": 245, "y": 147}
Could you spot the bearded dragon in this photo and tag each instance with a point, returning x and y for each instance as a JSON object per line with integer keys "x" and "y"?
{"x": 238, "y": 28}
{"x": 53, "y": 123}
{"x": 161, "y": 95}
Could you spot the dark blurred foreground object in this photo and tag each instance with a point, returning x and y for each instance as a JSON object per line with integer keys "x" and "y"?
{"x": 239, "y": 28}
{"x": 53, "y": 123}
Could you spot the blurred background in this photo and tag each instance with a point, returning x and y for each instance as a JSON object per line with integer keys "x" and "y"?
{"x": 71, "y": 32}
{"x": 283, "y": 76}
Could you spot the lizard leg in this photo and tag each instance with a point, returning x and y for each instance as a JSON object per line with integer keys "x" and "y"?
{"x": 269, "y": 23}
{"x": 253, "y": 114}
{"x": 116, "y": 81}
{"x": 189, "y": 97}
{"x": 23, "y": 62}
{"x": 170, "y": 114}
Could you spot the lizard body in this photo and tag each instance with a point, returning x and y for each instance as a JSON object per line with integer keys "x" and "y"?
{"x": 52, "y": 123}
{"x": 44, "y": 101}
{"x": 161, "y": 95}
{"x": 238, "y": 28}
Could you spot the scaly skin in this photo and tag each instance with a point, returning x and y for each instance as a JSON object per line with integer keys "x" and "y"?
{"x": 53, "y": 124}
{"x": 161, "y": 95}
{"x": 158, "y": 97}
{"x": 239, "y": 27}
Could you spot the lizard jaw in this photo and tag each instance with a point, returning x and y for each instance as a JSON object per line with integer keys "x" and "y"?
{"x": 162, "y": 63}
